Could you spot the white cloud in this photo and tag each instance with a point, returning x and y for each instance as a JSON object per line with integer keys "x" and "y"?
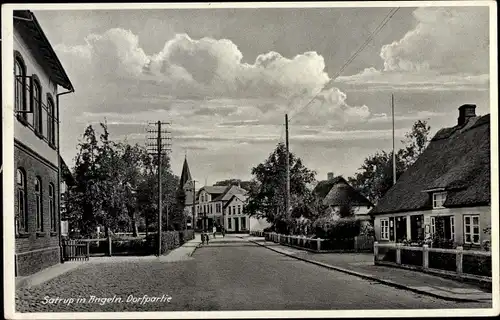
{"x": 447, "y": 50}
{"x": 205, "y": 78}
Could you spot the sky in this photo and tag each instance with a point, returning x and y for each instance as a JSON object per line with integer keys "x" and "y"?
{"x": 225, "y": 78}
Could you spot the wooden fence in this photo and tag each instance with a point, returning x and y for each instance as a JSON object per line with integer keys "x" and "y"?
{"x": 357, "y": 244}
{"x": 75, "y": 250}
{"x": 475, "y": 265}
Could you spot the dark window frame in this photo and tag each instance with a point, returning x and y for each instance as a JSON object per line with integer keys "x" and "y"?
{"x": 22, "y": 198}
{"x": 39, "y": 204}
{"x": 37, "y": 105}
{"x": 20, "y": 85}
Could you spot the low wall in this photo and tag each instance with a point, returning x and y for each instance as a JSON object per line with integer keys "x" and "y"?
{"x": 357, "y": 244}
{"x": 453, "y": 263}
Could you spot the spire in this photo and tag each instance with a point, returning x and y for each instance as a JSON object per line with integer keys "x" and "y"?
{"x": 185, "y": 175}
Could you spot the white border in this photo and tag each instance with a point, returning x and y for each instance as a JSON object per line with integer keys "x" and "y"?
{"x": 8, "y": 166}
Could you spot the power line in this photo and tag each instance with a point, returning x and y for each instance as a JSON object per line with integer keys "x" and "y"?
{"x": 381, "y": 25}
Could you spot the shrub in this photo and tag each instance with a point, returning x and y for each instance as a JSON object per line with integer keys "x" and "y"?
{"x": 442, "y": 261}
{"x": 411, "y": 257}
{"x": 477, "y": 265}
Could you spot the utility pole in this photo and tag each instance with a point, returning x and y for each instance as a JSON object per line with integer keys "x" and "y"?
{"x": 287, "y": 197}
{"x": 393, "y": 145}
{"x": 159, "y": 148}
{"x": 194, "y": 205}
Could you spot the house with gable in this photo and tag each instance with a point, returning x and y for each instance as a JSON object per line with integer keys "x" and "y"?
{"x": 39, "y": 81}
{"x": 336, "y": 192}
{"x": 446, "y": 192}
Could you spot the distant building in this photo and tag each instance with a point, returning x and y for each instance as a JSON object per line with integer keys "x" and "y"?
{"x": 186, "y": 183}
{"x": 336, "y": 192}
{"x": 38, "y": 74}
{"x": 446, "y": 192}
{"x": 223, "y": 206}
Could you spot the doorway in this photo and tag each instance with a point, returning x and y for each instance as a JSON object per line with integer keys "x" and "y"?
{"x": 236, "y": 225}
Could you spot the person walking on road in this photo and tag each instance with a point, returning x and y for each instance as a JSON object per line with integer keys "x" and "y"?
{"x": 223, "y": 231}
{"x": 214, "y": 229}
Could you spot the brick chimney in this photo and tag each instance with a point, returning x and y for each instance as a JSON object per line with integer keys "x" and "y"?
{"x": 330, "y": 176}
{"x": 465, "y": 112}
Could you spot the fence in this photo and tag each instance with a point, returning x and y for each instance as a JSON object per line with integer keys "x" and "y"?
{"x": 457, "y": 262}
{"x": 257, "y": 233}
{"x": 75, "y": 250}
{"x": 356, "y": 244}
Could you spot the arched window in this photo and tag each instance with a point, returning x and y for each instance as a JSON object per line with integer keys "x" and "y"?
{"x": 20, "y": 85}
{"x": 52, "y": 208}
{"x": 51, "y": 121}
{"x": 38, "y": 202}
{"x": 37, "y": 105}
{"x": 21, "y": 221}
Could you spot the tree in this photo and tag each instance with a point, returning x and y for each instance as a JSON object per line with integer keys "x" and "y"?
{"x": 247, "y": 185}
{"x": 375, "y": 176}
{"x": 268, "y": 199}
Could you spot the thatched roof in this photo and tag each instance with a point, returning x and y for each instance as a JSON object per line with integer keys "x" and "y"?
{"x": 457, "y": 160}
{"x": 338, "y": 191}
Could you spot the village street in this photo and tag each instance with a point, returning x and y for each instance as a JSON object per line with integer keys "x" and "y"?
{"x": 230, "y": 273}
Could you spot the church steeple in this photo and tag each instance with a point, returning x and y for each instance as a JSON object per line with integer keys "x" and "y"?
{"x": 186, "y": 174}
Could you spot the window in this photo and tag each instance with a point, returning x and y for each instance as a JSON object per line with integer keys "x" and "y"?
{"x": 243, "y": 223}
{"x": 471, "y": 229}
{"x": 452, "y": 227}
{"x": 52, "y": 208}
{"x": 37, "y": 106}
{"x": 234, "y": 209}
{"x": 20, "y": 85}
{"x": 239, "y": 209}
{"x": 51, "y": 122}
{"x": 38, "y": 201}
{"x": 433, "y": 226}
{"x": 21, "y": 223}
{"x": 229, "y": 226}
{"x": 229, "y": 209}
{"x": 384, "y": 229}
{"x": 438, "y": 200}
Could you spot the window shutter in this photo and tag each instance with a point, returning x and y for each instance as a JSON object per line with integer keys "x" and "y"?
{"x": 32, "y": 97}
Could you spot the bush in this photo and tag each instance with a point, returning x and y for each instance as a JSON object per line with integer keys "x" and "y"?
{"x": 443, "y": 261}
{"x": 411, "y": 257}
{"x": 169, "y": 239}
{"x": 136, "y": 246}
{"x": 477, "y": 265}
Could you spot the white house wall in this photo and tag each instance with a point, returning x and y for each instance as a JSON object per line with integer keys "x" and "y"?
{"x": 21, "y": 132}
{"x": 484, "y": 213}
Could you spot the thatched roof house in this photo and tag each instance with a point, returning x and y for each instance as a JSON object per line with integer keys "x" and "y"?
{"x": 457, "y": 160}
{"x": 446, "y": 192}
{"x": 337, "y": 192}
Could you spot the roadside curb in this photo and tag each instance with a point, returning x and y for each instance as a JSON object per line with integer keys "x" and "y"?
{"x": 196, "y": 247}
{"x": 370, "y": 277}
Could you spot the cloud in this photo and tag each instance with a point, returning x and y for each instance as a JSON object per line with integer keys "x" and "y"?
{"x": 447, "y": 50}
{"x": 203, "y": 78}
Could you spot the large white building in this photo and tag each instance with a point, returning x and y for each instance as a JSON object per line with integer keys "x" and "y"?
{"x": 38, "y": 77}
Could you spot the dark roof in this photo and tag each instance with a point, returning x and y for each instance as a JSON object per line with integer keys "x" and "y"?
{"x": 228, "y": 202}
{"x": 185, "y": 175}
{"x": 66, "y": 174}
{"x": 31, "y": 31}
{"x": 457, "y": 160}
{"x": 213, "y": 190}
{"x": 341, "y": 193}
{"x": 323, "y": 187}
{"x": 237, "y": 189}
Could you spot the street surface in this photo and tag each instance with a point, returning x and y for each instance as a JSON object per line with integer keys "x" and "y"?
{"x": 227, "y": 274}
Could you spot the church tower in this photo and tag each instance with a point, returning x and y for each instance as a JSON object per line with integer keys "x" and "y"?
{"x": 186, "y": 179}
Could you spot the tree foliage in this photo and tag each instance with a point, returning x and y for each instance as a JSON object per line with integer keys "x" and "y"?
{"x": 375, "y": 176}
{"x": 116, "y": 185}
{"x": 267, "y": 199}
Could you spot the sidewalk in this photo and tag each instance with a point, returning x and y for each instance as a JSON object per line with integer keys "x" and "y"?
{"x": 181, "y": 253}
{"x": 47, "y": 274}
{"x": 361, "y": 265}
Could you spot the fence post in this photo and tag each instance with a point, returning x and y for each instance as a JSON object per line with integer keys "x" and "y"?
{"x": 319, "y": 244}
{"x": 460, "y": 259}
{"x": 88, "y": 250}
{"x": 425, "y": 256}
{"x": 278, "y": 238}
{"x": 109, "y": 245}
{"x": 398, "y": 253}
{"x": 375, "y": 251}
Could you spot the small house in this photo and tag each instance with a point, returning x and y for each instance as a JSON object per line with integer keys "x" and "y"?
{"x": 446, "y": 192}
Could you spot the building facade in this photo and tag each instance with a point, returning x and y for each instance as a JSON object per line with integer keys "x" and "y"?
{"x": 445, "y": 194}
{"x": 38, "y": 74}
